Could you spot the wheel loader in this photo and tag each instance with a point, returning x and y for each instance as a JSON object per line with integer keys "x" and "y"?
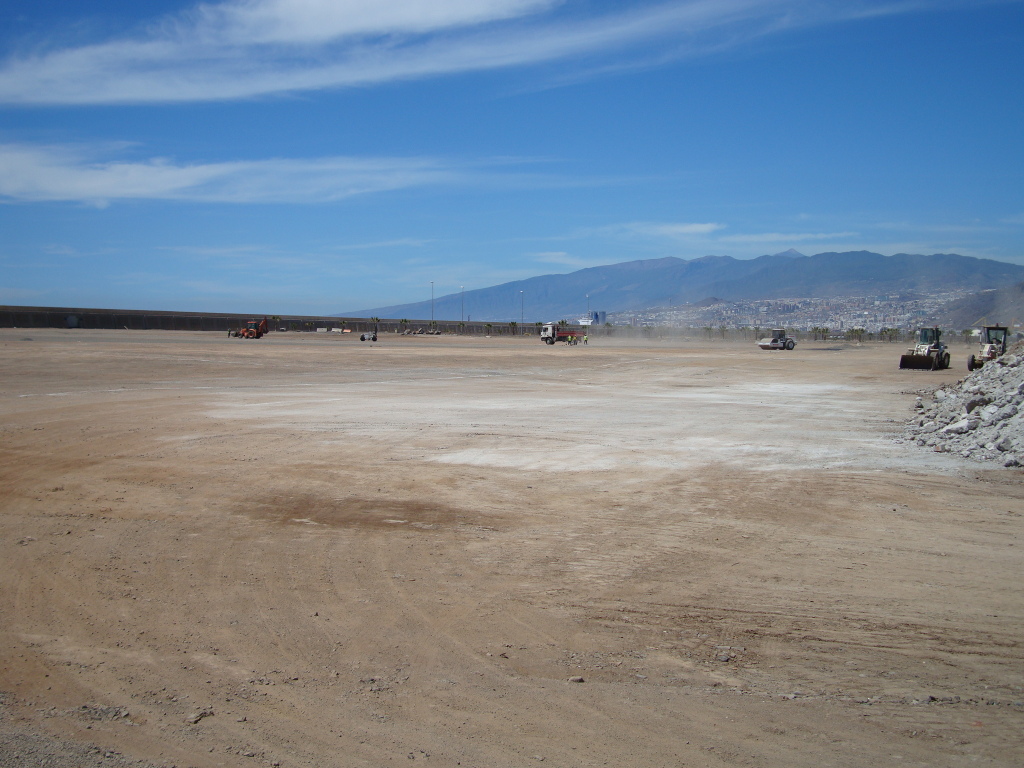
{"x": 928, "y": 354}
{"x": 992, "y": 347}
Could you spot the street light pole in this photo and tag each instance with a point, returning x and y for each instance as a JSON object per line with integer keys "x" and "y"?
{"x": 431, "y": 303}
{"x": 521, "y": 305}
{"x": 463, "y": 318}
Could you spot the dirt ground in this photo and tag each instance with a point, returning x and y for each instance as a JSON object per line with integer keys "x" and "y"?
{"x": 310, "y": 551}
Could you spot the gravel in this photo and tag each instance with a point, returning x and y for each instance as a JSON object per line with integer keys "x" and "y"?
{"x": 21, "y": 746}
{"x": 979, "y": 417}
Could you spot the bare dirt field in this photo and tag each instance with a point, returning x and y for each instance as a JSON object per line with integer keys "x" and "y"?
{"x": 310, "y": 551}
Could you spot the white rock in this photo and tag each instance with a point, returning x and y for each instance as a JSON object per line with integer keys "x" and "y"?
{"x": 959, "y": 427}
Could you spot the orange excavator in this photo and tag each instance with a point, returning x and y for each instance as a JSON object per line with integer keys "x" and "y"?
{"x": 254, "y": 329}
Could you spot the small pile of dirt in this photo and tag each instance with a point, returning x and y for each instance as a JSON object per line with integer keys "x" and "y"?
{"x": 980, "y": 416}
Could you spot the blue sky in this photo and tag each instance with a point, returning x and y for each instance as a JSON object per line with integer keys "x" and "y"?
{"x": 316, "y": 156}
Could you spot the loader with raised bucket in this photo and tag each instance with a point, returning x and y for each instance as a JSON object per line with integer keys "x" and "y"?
{"x": 993, "y": 346}
{"x": 928, "y": 354}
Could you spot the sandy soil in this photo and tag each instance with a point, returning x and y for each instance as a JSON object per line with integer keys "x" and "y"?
{"x": 311, "y": 551}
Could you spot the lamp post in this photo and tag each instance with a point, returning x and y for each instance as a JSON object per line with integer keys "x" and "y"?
{"x": 521, "y": 305}
{"x": 463, "y": 317}
{"x": 431, "y": 303}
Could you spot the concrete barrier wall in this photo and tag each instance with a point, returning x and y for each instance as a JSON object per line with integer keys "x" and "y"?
{"x": 73, "y": 317}
{"x": 137, "y": 320}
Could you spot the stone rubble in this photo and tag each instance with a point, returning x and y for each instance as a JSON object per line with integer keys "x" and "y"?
{"x": 980, "y": 416}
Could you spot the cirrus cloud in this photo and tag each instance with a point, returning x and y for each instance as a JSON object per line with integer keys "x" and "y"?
{"x": 786, "y": 237}
{"x": 31, "y": 173}
{"x": 244, "y": 48}
{"x": 672, "y": 229}
{"x": 245, "y": 22}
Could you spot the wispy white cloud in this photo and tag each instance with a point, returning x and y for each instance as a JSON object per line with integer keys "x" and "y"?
{"x": 316, "y": 21}
{"x": 216, "y": 252}
{"x": 402, "y": 242}
{"x": 244, "y": 48}
{"x": 786, "y": 237}
{"x": 560, "y": 257}
{"x": 690, "y": 239}
{"x": 673, "y": 230}
{"x": 62, "y": 173}
{"x": 945, "y": 229}
{"x": 748, "y": 239}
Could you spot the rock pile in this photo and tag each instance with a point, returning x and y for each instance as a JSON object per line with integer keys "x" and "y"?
{"x": 979, "y": 417}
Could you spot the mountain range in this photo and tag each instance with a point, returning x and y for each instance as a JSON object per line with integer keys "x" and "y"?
{"x": 639, "y": 285}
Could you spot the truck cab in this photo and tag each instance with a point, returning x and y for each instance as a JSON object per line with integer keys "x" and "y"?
{"x": 552, "y": 332}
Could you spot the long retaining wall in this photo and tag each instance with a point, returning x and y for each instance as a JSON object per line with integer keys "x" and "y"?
{"x": 138, "y": 320}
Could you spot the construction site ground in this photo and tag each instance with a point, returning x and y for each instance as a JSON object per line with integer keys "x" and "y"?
{"x": 305, "y": 550}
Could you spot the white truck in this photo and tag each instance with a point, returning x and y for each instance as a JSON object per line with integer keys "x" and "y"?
{"x": 552, "y": 332}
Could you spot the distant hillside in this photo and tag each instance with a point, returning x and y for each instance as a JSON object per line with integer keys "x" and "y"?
{"x": 1003, "y": 306}
{"x": 638, "y": 285}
